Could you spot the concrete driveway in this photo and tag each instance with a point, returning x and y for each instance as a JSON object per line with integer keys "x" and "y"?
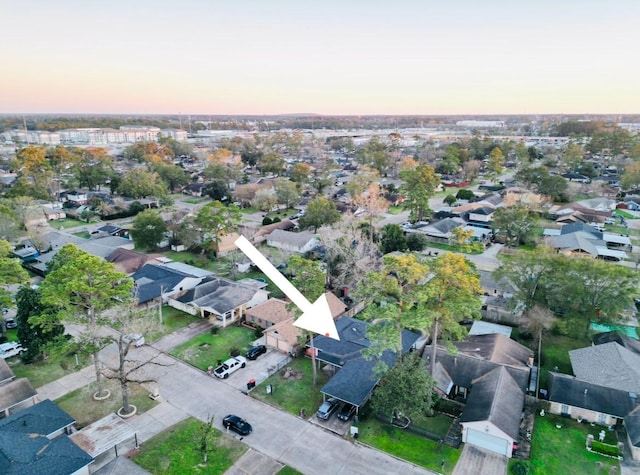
{"x": 481, "y": 461}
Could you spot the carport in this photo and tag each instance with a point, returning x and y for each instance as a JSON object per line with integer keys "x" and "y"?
{"x": 104, "y": 434}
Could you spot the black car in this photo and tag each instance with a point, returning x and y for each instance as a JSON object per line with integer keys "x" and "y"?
{"x": 256, "y": 351}
{"x": 346, "y": 412}
{"x": 237, "y": 424}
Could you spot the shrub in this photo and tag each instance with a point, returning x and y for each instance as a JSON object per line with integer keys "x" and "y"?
{"x": 266, "y": 221}
{"x": 605, "y": 449}
{"x": 234, "y": 351}
{"x": 416, "y": 242}
{"x": 464, "y": 194}
{"x": 215, "y": 330}
{"x": 519, "y": 467}
{"x": 276, "y": 220}
{"x": 258, "y": 333}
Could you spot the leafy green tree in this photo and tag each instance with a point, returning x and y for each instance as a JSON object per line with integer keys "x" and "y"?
{"x": 140, "y": 183}
{"x": 91, "y": 167}
{"x": 465, "y": 194}
{"x": 173, "y": 176}
{"x": 271, "y": 162}
{"x": 419, "y": 186}
{"x": 287, "y": 192}
{"x": 265, "y": 199}
{"x": 416, "y": 242}
{"x": 513, "y": 224}
{"x": 592, "y": 290}
{"x": 213, "y": 221}
{"x": 217, "y": 190}
{"x": 406, "y": 391}
{"x": 394, "y": 294}
{"x": 572, "y": 156}
{"x": 10, "y": 226}
{"x": 148, "y": 229}
{"x": 310, "y": 280}
{"x": 554, "y": 186}
{"x": 34, "y": 338}
{"x": 530, "y": 273}
{"x": 451, "y": 161}
{"x": 11, "y": 272}
{"x": 374, "y": 154}
{"x": 392, "y": 239}
{"x": 319, "y": 212}
{"x": 452, "y": 293}
{"x": 449, "y": 200}
{"x": 496, "y": 161}
{"x": 82, "y": 287}
{"x": 300, "y": 173}
{"x": 631, "y": 176}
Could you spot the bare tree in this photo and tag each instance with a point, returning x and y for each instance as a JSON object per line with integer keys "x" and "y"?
{"x": 205, "y": 439}
{"x": 133, "y": 324}
{"x": 539, "y": 320}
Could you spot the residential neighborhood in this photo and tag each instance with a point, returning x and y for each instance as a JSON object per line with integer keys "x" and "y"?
{"x": 485, "y": 299}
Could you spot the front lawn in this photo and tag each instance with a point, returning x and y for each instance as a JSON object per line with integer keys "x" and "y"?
{"x": 55, "y": 367}
{"x": 563, "y": 450}
{"x": 176, "y": 451}
{"x": 408, "y": 446}
{"x": 85, "y": 410}
{"x": 172, "y": 320}
{"x": 206, "y": 349}
{"x": 294, "y": 393}
{"x": 66, "y": 223}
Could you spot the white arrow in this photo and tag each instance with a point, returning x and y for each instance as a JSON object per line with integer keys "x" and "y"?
{"x": 316, "y": 317}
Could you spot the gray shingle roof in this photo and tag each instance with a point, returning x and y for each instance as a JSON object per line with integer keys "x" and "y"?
{"x": 150, "y": 279}
{"x": 218, "y": 294}
{"x": 609, "y": 365}
{"x": 495, "y": 397}
{"x": 298, "y": 240}
{"x": 566, "y": 389}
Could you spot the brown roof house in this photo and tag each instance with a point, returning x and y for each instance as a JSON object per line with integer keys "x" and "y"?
{"x": 282, "y": 334}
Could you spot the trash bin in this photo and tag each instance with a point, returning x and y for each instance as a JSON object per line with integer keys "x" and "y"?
{"x": 251, "y": 384}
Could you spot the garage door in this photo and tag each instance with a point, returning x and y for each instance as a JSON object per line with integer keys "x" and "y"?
{"x": 486, "y": 441}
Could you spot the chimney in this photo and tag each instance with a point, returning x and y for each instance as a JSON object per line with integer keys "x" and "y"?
{"x": 530, "y": 362}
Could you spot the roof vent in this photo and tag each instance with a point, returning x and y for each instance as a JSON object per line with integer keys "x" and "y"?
{"x": 585, "y": 391}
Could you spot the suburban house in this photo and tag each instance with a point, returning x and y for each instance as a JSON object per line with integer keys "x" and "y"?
{"x": 491, "y": 416}
{"x": 440, "y": 231}
{"x": 292, "y": 242}
{"x": 34, "y": 440}
{"x": 219, "y": 299}
{"x": 260, "y": 235}
{"x": 498, "y": 304}
{"x": 609, "y": 364}
{"x": 128, "y": 261}
{"x": 354, "y": 379}
{"x": 503, "y": 369}
{"x": 15, "y": 394}
{"x": 580, "y": 239}
{"x": 164, "y": 279}
{"x": 573, "y": 397}
{"x": 282, "y": 334}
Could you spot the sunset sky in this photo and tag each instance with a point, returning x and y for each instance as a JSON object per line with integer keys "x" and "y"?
{"x": 319, "y": 56}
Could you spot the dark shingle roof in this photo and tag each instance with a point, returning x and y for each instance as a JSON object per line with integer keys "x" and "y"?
{"x": 566, "y": 389}
{"x": 609, "y": 365}
{"x": 150, "y": 279}
{"x": 43, "y": 418}
{"x": 495, "y": 397}
{"x": 619, "y": 338}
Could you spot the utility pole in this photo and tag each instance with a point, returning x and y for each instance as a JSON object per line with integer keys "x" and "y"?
{"x": 161, "y": 302}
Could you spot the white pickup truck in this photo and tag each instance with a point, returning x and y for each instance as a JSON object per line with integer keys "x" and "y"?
{"x": 7, "y": 350}
{"x": 232, "y": 365}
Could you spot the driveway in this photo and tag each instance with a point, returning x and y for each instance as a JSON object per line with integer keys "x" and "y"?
{"x": 477, "y": 460}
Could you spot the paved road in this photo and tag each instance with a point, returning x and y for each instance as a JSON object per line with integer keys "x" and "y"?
{"x": 280, "y": 437}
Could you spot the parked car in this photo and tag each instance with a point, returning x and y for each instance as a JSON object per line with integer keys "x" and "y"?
{"x": 346, "y": 412}
{"x": 327, "y": 409}
{"x": 135, "y": 338}
{"x": 256, "y": 351}
{"x": 7, "y": 350}
{"x": 237, "y": 424}
{"x": 230, "y": 366}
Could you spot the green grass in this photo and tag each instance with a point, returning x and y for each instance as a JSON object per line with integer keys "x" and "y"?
{"x": 85, "y": 410}
{"x": 624, "y": 214}
{"x": 562, "y": 451}
{"x": 195, "y": 200}
{"x": 55, "y": 367}
{"x": 66, "y": 223}
{"x": 206, "y": 349}
{"x": 83, "y": 234}
{"x": 408, "y": 446}
{"x": 395, "y": 210}
{"x": 11, "y": 335}
{"x": 172, "y": 320}
{"x": 474, "y": 249}
{"x": 249, "y": 210}
{"x": 438, "y": 423}
{"x": 176, "y": 451}
{"x": 292, "y": 395}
